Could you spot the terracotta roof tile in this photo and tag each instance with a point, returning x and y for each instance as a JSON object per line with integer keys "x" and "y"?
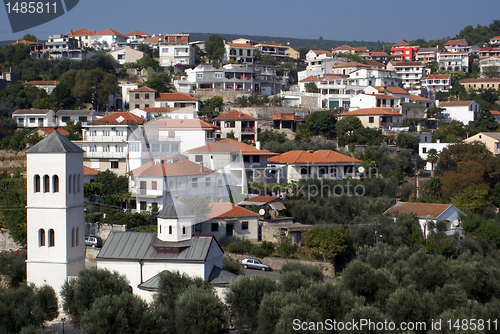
{"x": 344, "y": 47}
{"x": 310, "y": 78}
{"x": 321, "y": 156}
{"x": 22, "y": 42}
{"x": 81, "y": 32}
{"x": 335, "y": 156}
{"x": 171, "y": 166}
{"x": 41, "y": 82}
{"x": 407, "y": 63}
{"x": 229, "y": 210}
{"x": 119, "y": 118}
{"x": 454, "y": 104}
{"x": 175, "y": 97}
{"x": 402, "y": 43}
{"x": 479, "y": 80}
{"x": 50, "y": 130}
{"x": 89, "y": 171}
{"x": 350, "y": 64}
{"x": 236, "y": 45}
{"x": 143, "y": 89}
{"x": 287, "y": 117}
{"x": 438, "y": 76}
{"x": 454, "y": 41}
{"x": 421, "y": 210}
{"x": 154, "y": 39}
{"x": 391, "y": 89}
{"x": 419, "y": 98}
{"x": 262, "y": 199}
{"x": 494, "y": 112}
{"x": 231, "y": 145}
{"x": 181, "y": 124}
{"x": 109, "y": 32}
{"x": 234, "y": 114}
{"x": 371, "y": 111}
{"x": 137, "y": 33}
{"x": 379, "y": 54}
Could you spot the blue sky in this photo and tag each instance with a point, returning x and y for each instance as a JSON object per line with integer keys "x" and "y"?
{"x": 382, "y": 20}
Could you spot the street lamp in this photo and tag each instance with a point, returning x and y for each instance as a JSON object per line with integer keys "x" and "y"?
{"x": 63, "y": 320}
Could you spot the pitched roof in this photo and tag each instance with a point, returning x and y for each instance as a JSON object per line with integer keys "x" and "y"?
{"x": 391, "y": 89}
{"x": 319, "y": 52}
{"x": 344, "y": 47}
{"x": 143, "y": 89}
{"x": 494, "y": 135}
{"x": 64, "y": 112}
{"x": 181, "y": 124}
{"x": 231, "y": 145}
{"x": 146, "y": 246}
{"x": 419, "y": 98}
{"x": 154, "y": 39}
{"x": 407, "y": 63}
{"x": 477, "y": 80}
{"x": 239, "y": 45}
{"x": 310, "y": 78}
{"x": 454, "y": 41}
{"x": 81, "y": 32}
{"x": 31, "y": 111}
{"x": 454, "y": 104}
{"x": 494, "y": 112}
{"x": 287, "y": 117}
{"x": 402, "y": 43}
{"x": 421, "y": 210}
{"x": 109, "y": 32}
{"x": 171, "y": 166}
{"x": 119, "y": 118}
{"x": 23, "y": 42}
{"x": 379, "y": 54}
{"x": 371, "y": 111}
{"x": 350, "y": 64}
{"x": 89, "y": 171}
{"x": 438, "y": 76}
{"x": 55, "y": 143}
{"x": 495, "y": 37}
{"x": 50, "y": 130}
{"x": 372, "y": 63}
{"x": 234, "y": 114}
{"x": 175, "y": 97}
{"x": 321, "y": 156}
{"x": 271, "y": 44}
{"x": 137, "y": 33}
{"x": 259, "y": 200}
{"x": 41, "y": 82}
{"x": 229, "y": 210}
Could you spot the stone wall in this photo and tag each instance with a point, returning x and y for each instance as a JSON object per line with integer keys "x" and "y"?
{"x": 267, "y": 112}
{"x": 6, "y": 243}
{"x": 276, "y": 262}
{"x": 227, "y": 95}
{"x": 12, "y": 159}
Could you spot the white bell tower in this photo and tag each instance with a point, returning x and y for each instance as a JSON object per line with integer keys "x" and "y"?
{"x": 55, "y": 211}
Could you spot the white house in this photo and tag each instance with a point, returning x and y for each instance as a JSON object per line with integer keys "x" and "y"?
{"x": 456, "y": 45}
{"x": 463, "y": 111}
{"x": 428, "y": 212}
{"x": 453, "y": 61}
{"x": 82, "y": 116}
{"x": 177, "y": 100}
{"x": 141, "y": 257}
{"x": 35, "y": 118}
{"x": 126, "y": 55}
{"x": 83, "y": 36}
{"x": 175, "y": 176}
{"x": 437, "y": 82}
{"x": 297, "y": 165}
{"x": 173, "y": 54}
{"x": 239, "y": 53}
{"x": 108, "y": 39}
{"x": 335, "y": 91}
{"x": 424, "y": 148}
{"x": 376, "y": 118}
{"x": 487, "y": 62}
{"x": 410, "y": 72}
{"x": 243, "y": 126}
{"x": 373, "y": 77}
{"x": 136, "y": 36}
{"x": 363, "y": 101}
{"x": 55, "y": 220}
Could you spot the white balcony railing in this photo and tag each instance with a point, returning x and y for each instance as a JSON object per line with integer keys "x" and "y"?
{"x": 112, "y": 155}
{"x": 105, "y": 138}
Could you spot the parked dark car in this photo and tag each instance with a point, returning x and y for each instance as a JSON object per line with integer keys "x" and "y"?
{"x": 254, "y": 264}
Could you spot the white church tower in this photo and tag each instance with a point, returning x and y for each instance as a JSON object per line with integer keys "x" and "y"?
{"x": 55, "y": 211}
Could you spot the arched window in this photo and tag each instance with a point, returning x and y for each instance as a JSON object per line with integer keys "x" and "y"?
{"x": 46, "y": 183}
{"x": 36, "y": 183}
{"x": 74, "y": 183}
{"x": 78, "y": 184}
{"x": 170, "y": 229}
{"x": 160, "y": 228}
{"x": 73, "y": 237}
{"x": 52, "y": 238}
{"x": 55, "y": 183}
{"x": 76, "y": 237}
{"x": 41, "y": 237}
{"x": 183, "y": 230}
{"x": 69, "y": 183}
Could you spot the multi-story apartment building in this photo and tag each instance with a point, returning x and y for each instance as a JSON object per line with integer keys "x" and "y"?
{"x": 364, "y": 101}
{"x": 108, "y": 39}
{"x": 242, "y": 126}
{"x": 136, "y": 36}
{"x": 373, "y": 77}
{"x": 487, "y": 62}
{"x": 457, "y": 45}
{"x": 336, "y": 91}
{"x": 453, "y": 61}
{"x": 239, "y": 53}
{"x": 83, "y": 36}
{"x": 105, "y": 142}
{"x": 427, "y": 55}
{"x": 176, "y": 54}
{"x": 437, "y": 82}
{"x": 61, "y": 46}
{"x": 402, "y": 51}
{"x": 277, "y": 50}
{"x": 410, "y": 72}
{"x": 480, "y": 83}
{"x": 35, "y": 118}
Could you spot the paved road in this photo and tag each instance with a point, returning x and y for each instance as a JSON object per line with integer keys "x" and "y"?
{"x": 275, "y": 274}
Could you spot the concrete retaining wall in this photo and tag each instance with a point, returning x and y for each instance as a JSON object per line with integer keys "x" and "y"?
{"x": 276, "y": 262}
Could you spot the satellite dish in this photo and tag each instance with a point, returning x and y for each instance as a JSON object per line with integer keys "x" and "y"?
{"x": 361, "y": 169}
{"x": 262, "y": 212}
{"x": 132, "y": 183}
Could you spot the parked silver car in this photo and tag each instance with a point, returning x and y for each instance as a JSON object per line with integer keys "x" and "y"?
{"x": 93, "y": 241}
{"x": 254, "y": 264}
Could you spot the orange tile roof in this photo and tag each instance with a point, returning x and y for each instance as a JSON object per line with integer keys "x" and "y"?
{"x": 331, "y": 77}
{"x": 454, "y": 41}
{"x": 421, "y": 210}
{"x": 349, "y": 64}
{"x": 182, "y": 124}
{"x": 438, "y": 76}
{"x": 229, "y": 210}
{"x": 495, "y": 37}
{"x": 234, "y": 114}
{"x": 154, "y": 39}
{"x": 171, "y": 166}
{"x": 287, "y": 117}
{"x": 109, "y": 32}
{"x": 379, "y": 53}
{"x": 41, "y": 82}
{"x": 50, "y": 130}
{"x": 454, "y": 103}
{"x": 81, "y": 32}
{"x": 305, "y": 157}
{"x": 89, "y": 171}
{"x": 419, "y": 98}
{"x": 262, "y": 199}
{"x": 372, "y": 63}
{"x": 371, "y": 111}
{"x": 391, "y": 89}
{"x": 344, "y": 47}
{"x": 360, "y": 48}
{"x": 236, "y": 45}
{"x": 494, "y": 112}
{"x": 22, "y": 42}
{"x": 231, "y": 145}
{"x": 143, "y": 89}
{"x": 137, "y": 33}
{"x": 402, "y": 43}
{"x": 407, "y": 63}
{"x": 271, "y": 44}
{"x": 476, "y": 80}
{"x": 310, "y": 78}
{"x": 175, "y": 97}
{"x": 119, "y": 118}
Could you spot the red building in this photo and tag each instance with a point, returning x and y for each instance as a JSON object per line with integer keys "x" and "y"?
{"x": 402, "y": 51}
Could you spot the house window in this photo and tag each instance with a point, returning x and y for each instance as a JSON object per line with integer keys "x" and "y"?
{"x": 136, "y": 106}
{"x": 424, "y": 150}
{"x": 170, "y": 184}
{"x": 143, "y": 206}
{"x": 215, "y": 227}
{"x": 195, "y": 182}
{"x": 137, "y": 96}
{"x": 218, "y": 75}
{"x": 65, "y": 119}
{"x": 76, "y": 236}
{"x": 154, "y": 185}
{"x": 73, "y": 237}
{"x": 171, "y": 134}
{"x": 219, "y": 182}
{"x": 146, "y": 96}
{"x": 114, "y": 164}
{"x": 70, "y": 179}
{"x": 229, "y": 124}
{"x": 183, "y": 230}
{"x": 199, "y": 75}
{"x": 164, "y": 50}
{"x": 32, "y": 120}
{"x": 198, "y": 158}
{"x": 207, "y": 182}
{"x": 146, "y": 106}
{"x": 244, "y": 225}
{"x": 55, "y": 183}
{"x": 46, "y": 183}
{"x": 36, "y": 183}
{"x": 371, "y": 119}
{"x": 170, "y": 229}
{"x": 41, "y": 237}
{"x": 256, "y": 159}
{"x": 52, "y": 238}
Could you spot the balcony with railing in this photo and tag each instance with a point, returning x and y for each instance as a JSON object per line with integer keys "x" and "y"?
{"x": 104, "y": 138}
{"x": 101, "y": 154}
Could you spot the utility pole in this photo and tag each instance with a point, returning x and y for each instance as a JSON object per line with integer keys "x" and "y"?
{"x": 416, "y": 180}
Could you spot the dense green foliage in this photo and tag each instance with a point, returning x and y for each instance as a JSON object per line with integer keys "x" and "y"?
{"x": 214, "y": 49}
{"x": 319, "y": 123}
{"x": 13, "y": 266}
{"x": 13, "y": 206}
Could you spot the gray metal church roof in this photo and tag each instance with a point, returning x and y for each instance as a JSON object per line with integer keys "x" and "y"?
{"x": 55, "y": 143}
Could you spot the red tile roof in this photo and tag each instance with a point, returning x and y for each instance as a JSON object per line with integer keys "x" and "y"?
{"x": 304, "y": 157}
{"x": 454, "y": 104}
{"x": 419, "y": 98}
{"x": 391, "y": 89}
{"x": 236, "y": 45}
{"x": 171, "y": 166}
{"x": 23, "y": 42}
{"x": 154, "y": 39}
{"x": 41, "y": 82}
{"x": 175, "y": 97}
{"x": 379, "y": 54}
{"x": 81, "y": 32}
{"x": 231, "y": 145}
{"x": 229, "y": 210}
{"x": 402, "y": 43}
{"x": 182, "y": 124}
{"x": 438, "y": 76}
{"x": 89, "y": 171}
{"x": 287, "y": 117}
{"x": 407, "y": 63}
{"x": 344, "y": 47}
{"x": 50, "y": 130}
{"x": 109, "y": 32}
{"x": 310, "y": 78}
{"x": 373, "y": 63}
{"x": 143, "y": 89}
{"x": 350, "y": 64}
{"x": 495, "y": 37}
{"x": 119, "y": 118}
{"x": 234, "y": 115}
{"x": 421, "y": 210}
{"x": 478, "y": 80}
{"x": 454, "y": 41}
{"x": 371, "y": 111}
{"x": 137, "y": 33}
{"x": 494, "y": 112}
{"x": 331, "y": 77}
